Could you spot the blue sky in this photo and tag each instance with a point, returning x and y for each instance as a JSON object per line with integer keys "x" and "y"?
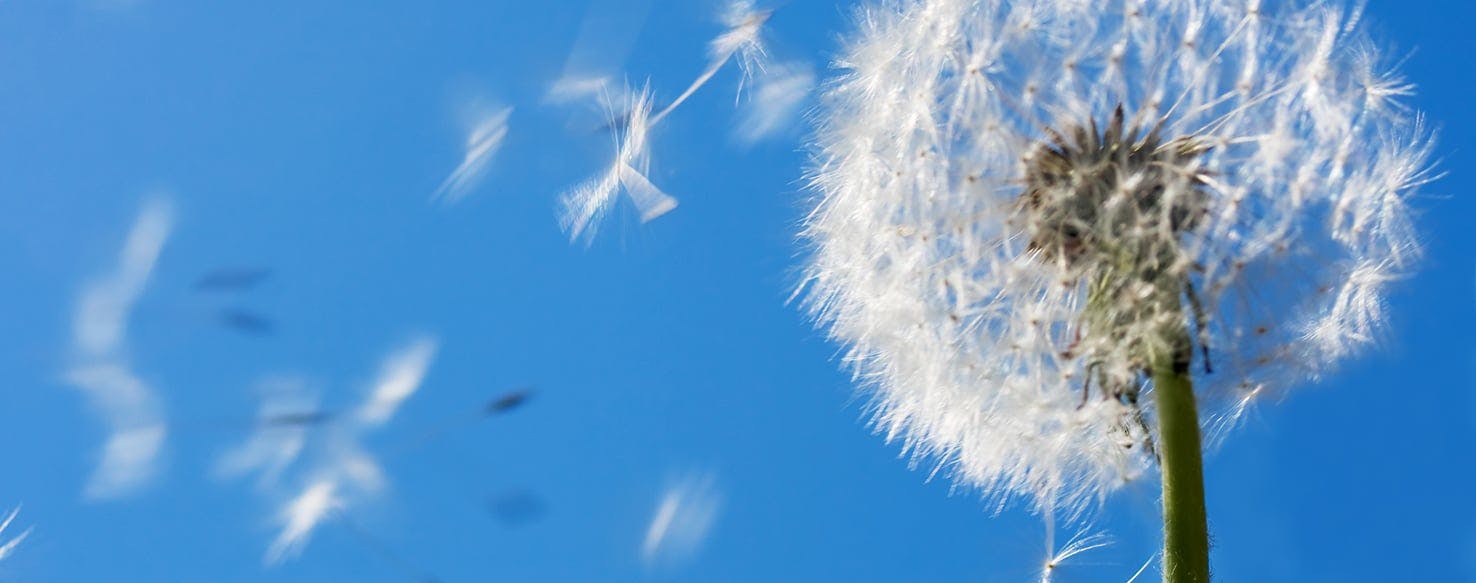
{"x": 310, "y": 137}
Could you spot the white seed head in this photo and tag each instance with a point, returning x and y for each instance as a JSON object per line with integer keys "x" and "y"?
{"x": 1022, "y": 206}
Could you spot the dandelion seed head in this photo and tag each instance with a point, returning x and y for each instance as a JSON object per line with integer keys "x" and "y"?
{"x": 1022, "y": 205}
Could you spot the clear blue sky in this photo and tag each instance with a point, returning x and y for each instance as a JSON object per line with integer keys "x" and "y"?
{"x": 308, "y": 137}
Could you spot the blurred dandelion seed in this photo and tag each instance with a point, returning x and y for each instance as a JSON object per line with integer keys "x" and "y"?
{"x": 232, "y": 279}
{"x": 399, "y": 378}
{"x": 509, "y": 401}
{"x": 320, "y": 503}
{"x": 775, "y": 104}
{"x": 297, "y": 419}
{"x": 685, "y": 515}
{"x": 129, "y": 406}
{"x": 497, "y": 406}
{"x": 588, "y": 88}
{"x": 8, "y": 546}
{"x": 606, "y": 35}
{"x": 347, "y": 473}
{"x": 300, "y": 516}
{"x": 246, "y": 321}
{"x": 278, "y": 438}
{"x": 482, "y": 144}
{"x": 340, "y": 472}
{"x": 1143, "y": 568}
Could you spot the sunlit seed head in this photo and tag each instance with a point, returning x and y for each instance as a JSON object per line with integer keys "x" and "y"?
{"x": 1022, "y": 205}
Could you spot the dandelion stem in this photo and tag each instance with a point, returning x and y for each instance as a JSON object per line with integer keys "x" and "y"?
{"x": 1185, "y": 527}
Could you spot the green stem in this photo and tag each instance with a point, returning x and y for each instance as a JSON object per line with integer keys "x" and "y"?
{"x": 1185, "y": 527}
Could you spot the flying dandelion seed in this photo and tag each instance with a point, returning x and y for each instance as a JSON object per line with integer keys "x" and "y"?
{"x": 128, "y": 404}
{"x": 1084, "y": 541}
{"x": 8, "y": 546}
{"x": 400, "y": 377}
{"x": 775, "y": 104}
{"x": 607, "y": 34}
{"x": 1143, "y": 568}
{"x": 287, "y": 410}
{"x": 508, "y": 401}
{"x": 742, "y": 39}
{"x": 496, "y": 407}
{"x": 345, "y": 472}
{"x": 1024, "y": 208}
{"x": 338, "y": 472}
{"x": 300, "y": 517}
{"x": 684, "y": 517}
{"x": 587, "y": 89}
{"x": 482, "y": 143}
{"x": 587, "y": 203}
{"x": 233, "y": 279}
{"x": 246, "y": 322}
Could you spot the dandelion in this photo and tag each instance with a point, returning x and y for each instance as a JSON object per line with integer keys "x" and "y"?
{"x": 1058, "y": 236}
